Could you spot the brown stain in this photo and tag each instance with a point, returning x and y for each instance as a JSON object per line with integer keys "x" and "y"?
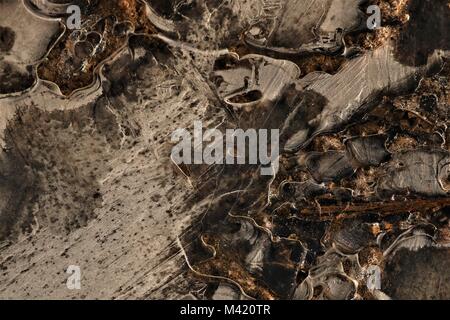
{"x": 63, "y": 69}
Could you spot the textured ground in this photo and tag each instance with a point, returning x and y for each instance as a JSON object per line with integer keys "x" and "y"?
{"x": 86, "y": 177}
